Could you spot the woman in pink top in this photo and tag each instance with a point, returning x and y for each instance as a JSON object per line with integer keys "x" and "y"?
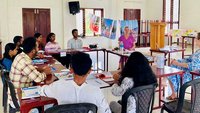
{"x": 128, "y": 41}
{"x": 51, "y": 44}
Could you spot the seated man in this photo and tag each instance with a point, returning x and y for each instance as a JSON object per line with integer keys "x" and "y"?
{"x": 23, "y": 73}
{"x": 18, "y": 40}
{"x": 77, "y": 90}
{"x": 74, "y": 43}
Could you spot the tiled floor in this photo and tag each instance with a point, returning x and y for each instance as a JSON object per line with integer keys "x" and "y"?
{"x": 106, "y": 91}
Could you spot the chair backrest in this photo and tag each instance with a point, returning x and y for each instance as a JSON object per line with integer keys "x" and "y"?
{"x": 73, "y": 108}
{"x": 5, "y": 87}
{"x": 144, "y": 98}
{"x": 8, "y": 84}
{"x": 195, "y": 100}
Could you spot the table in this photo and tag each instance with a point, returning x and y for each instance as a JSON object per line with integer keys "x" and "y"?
{"x": 195, "y": 73}
{"x": 192, "y": 37}
{"x": 73, "y": 51}
{"x": 39, "y": 102}
{"x": 183, "y": 40}
{"x": 144, "y": 35}
{"x": 164, "y": 72}
{"x": 27, "y": 104}
{"x": 168, "y": 52}
{"x": 124, "y": 56}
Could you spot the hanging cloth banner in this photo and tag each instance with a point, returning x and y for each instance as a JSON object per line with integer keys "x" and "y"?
{"x": 94, "y": 23}
{"x": 108, "y": 28}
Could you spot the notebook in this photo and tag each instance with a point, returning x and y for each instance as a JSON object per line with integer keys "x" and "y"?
{"x": 30, "y": 92}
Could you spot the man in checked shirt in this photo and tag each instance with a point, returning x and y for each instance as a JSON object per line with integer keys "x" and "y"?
{"x": 23, "y": 73}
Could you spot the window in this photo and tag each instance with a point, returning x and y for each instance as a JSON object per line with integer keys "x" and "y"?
{"x": 171, "y": 10}
{"x": 83, "y": 21}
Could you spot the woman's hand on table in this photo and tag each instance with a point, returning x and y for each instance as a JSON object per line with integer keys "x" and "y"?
{"x": 116, "y": 77}
{"x": 174, "y": 62}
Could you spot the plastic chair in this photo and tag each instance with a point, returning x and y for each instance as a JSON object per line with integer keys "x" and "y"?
{"x": 184, "y": 106}
{"x": 73, "y": 108}
{"x": 9, "y": 84}
{"x": 4, "y": 73}
{"x": 144, "y": 97}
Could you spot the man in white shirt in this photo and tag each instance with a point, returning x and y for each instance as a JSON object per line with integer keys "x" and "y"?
{"x": 77, "y": 90}
{"x": 75, "y": 42}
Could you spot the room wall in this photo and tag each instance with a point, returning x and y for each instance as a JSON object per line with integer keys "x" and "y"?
{"x": 154, "y": 9}
{"x": 112, "y": 9}
{"x": 189, "y": 17}
{"x": 11, "y": 22}
{"x": 61, "y": 21}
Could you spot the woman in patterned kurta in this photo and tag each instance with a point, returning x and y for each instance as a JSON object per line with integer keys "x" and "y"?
{"x": 188, "y": 64}
{"x": 136, "y": 72}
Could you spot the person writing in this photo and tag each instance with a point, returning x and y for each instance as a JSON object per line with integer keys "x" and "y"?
{"x": 23, "y": 73}
{"x": 75, "y": 42}
{"x": 77, "y": 90}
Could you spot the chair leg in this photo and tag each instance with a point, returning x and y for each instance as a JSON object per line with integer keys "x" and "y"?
{"x": 162, "y": 110}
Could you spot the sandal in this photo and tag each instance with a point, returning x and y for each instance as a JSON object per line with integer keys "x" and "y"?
{"x": 171, "y": 98}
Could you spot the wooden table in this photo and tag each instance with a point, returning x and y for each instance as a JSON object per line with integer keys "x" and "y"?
{"x": 124, "y": 57}
{"x": 73, "y": 51}
{"x": 183, "y": 42}
{"x": 168, "y": 52}
{"x": 183, "y": 39}
{"x": 165, "y": 72}
{"x": 27, "y": 104}
{"x": 195, "y": 73}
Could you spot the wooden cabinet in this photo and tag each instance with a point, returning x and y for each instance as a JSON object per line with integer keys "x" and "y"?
{"x": 36, "y": 20}
{"x": 157, "y": 35}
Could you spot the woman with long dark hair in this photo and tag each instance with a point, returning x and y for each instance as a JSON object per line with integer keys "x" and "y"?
{"x": 136, "y": 72}
{"x": 38, "y": 38}
{"x": 51, "y": 44}
{"x": 9, "y": 54}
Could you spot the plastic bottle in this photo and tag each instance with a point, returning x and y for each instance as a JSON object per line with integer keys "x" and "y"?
{"x": 121, "y": 47}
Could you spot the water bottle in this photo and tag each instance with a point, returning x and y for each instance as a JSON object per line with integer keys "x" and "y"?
{"x": 121, "y": 47}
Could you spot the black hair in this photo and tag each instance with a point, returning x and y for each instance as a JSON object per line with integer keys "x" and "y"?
{"x": 49, "y": 37}
{"x": 137, "y": 67}
{"x": 29, "y": 44}
{"x": 37, "y": 35}
{"x": 8, "y": 47}
{"x": 74, "y": 30}
{"x": 81, "y": 63}
{"x": 17, "y": 39}
{"x": 198, "y": 36}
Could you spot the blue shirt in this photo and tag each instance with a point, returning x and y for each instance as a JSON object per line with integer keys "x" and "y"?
{"x": 74, "y": 43}
{"x": 7, "y": 63}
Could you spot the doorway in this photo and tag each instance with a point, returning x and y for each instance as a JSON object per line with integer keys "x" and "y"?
{"x": 36, "y": 20}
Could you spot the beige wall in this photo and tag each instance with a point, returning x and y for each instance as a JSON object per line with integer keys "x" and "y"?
{"x": 61, "y": 21}
{"x": 11, "y": 22}
{"x": 154, "y": 9}
{"x": 189, "y": 16}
